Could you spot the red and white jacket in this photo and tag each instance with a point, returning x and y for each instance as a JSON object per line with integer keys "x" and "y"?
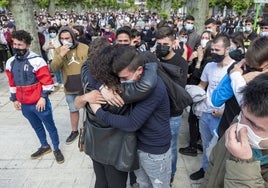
{"x": 29, "y": 78}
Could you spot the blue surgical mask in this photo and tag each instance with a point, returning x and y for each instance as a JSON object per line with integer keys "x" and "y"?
{"x": 189, "y": 27}
{"x": 184, "y": 40}
{"x": 52, "y": 35}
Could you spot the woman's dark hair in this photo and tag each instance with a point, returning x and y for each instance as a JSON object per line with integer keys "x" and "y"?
{"x": 80, "y": 29}
{"x": 100, "y": 65}
{"x": 238, "y": 40}
{"x": 53, "y": 28}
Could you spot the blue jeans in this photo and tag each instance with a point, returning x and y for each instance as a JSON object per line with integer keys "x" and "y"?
{"x": 37, "y": 119}
{"x": 207, "y": 124}
{"x": 58, "y": 76}
{"x": 154, "y": 171}
{"x": 174, "y": 123}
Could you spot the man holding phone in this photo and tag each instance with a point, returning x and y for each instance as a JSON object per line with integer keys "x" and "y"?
{"x": 69, "y": 58}
{"x": 240, "y": 159}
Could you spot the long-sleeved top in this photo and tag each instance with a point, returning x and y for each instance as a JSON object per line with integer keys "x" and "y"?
{"x": 149, "y": 118}
{"x": 29, "y": 78}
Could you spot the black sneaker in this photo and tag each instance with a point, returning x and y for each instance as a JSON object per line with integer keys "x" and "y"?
{"x": 73, "y": 136}
{"x": 190, "y": 151}
{"x": 198, "y": 175}
{"x": 58, "y": 156}
{"x": 40, "y": 152}
{"x": 200, "y": 147}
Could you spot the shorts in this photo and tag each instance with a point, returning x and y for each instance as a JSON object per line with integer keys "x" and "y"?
{"x": 70, "y": 101}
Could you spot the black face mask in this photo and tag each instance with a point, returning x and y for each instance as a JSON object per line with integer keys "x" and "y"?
{"x": 236, "y": 55}
{"x": 217, "y": 58}
{"x": 162, "y": 50}
{"x": 20, "y": 52}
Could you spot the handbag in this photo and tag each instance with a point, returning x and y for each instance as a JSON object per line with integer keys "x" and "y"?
{"x": 111, "y": 146}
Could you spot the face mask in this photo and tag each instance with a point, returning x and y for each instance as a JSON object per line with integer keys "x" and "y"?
{"x": 162, "y": 50}
{"x": 189, "y": 27}
{"x": 127, "y": 81}
{"x": 253, "y": 139}
{"x": 231, "y": 48}
{"x": 247, "y": 29}
{"x": 146, "y": 28}
{"x": 204, "y": 42}
{"x": 67, "y": 43}
{"x": 263, "y": 33}
{"x": 184, "y": 40}
{"x": 210, "y": 30}
{"x": 107, "y": 30}
{"x": 20, "y": 52}
{"x": 217, "y": 58}
{"x": 236, "y": 55}
{"x": 52, "y": 35}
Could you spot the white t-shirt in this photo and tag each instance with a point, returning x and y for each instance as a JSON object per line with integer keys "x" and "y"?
{"x": 212, "y": 74}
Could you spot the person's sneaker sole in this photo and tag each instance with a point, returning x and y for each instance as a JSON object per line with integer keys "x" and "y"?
{"x": 189, "y": 154}
{"x": 60, "y": 162}
{"x": 47, "y": 152}
{"x": 68, "y": 143}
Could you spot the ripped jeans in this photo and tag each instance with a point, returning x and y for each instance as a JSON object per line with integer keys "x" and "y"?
{"x": 154, "y": 171}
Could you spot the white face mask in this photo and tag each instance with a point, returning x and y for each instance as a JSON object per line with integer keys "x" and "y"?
{"x": 253, "y": 139}
{"x": 247, "y": 28}
{"x": 204, "y": 42}
{"x": 208, "y": 29}
{"x": 263, "y": 33}
{"x": 67, "y": 43}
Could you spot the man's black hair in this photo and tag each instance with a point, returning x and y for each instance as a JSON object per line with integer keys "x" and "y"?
{"x": 22, "y": 35}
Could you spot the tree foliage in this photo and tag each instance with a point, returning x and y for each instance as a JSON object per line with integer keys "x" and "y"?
{"x": 238, "y": 6}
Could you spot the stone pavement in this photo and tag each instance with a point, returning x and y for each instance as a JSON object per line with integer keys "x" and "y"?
{"x": 18, "y": 141}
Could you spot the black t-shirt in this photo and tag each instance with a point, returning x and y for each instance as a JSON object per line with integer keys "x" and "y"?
{"x": 178, "y": 60}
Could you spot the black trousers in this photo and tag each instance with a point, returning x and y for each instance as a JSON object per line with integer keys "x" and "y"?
{"x": 108, "y": 176}
{"x": 193, "y": 129}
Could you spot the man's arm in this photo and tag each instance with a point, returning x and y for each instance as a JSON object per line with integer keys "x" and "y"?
{"x": 241, "y": 169}
{"x": 138, "y": 115}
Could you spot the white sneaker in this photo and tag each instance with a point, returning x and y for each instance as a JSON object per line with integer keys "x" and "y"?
{"x": 56, "y": 84}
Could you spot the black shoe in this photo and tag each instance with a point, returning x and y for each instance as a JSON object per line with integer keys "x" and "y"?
{"x": 58, "y": 156}
{"x": 171, "y": 181}
{"x": 40, "y": 152}
{"x": 198, "y": 175}
{"x": 190, "y": 151}
{"x": 72, "y": 137}
{"x": 200, "y": 147}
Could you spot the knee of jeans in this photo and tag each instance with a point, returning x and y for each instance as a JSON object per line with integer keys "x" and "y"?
{"x": 158, "y": 181}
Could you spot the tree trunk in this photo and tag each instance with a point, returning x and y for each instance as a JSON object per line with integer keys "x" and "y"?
{"x": 22, "y": 11}
{"x": 200, "y": 13}
{"x": 166, "y": 6}
{"x": 51, "y": 7}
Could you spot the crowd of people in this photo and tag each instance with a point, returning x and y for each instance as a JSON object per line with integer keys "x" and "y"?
{"x": 123, "y": 69}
